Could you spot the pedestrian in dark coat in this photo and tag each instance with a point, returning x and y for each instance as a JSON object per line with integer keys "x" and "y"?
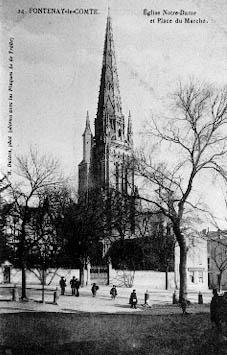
{"x": 113, "y": 292}
{"x": 133, "y": 299}
{"x": 73, "y": 285}
{"x": 62, "y": 284}
{"x": 94, "y": 289}
{"x": 215, "y": 308}
{"x": 77, "y": 287}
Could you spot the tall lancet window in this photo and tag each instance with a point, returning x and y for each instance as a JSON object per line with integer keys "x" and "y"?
{"x": 123, "y": 173}
{"x": 122, "y": 177}
{"x": 126, "y": 180}
{"x": 117, "y": 176}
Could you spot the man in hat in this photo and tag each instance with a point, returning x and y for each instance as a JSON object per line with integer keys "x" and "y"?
{"x": 133, "y": 299}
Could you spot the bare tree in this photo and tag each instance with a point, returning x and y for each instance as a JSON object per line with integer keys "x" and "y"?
{"x": 45, "y": 240}
{"x": 36, "y": 173}
{"x": 196, "y": 138}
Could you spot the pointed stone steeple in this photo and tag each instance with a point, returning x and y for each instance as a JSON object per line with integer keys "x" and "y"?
{"x": 87, "y": 126}
{"x": 106, "y": 155}
{"x": 109, "y": 120}
{"x": 129, "y": 129}
{"x": 87, "y": 140}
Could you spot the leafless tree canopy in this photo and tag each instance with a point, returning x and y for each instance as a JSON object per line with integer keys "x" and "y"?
{"x": 194, "y": 141}
{"x": 39, "y": 174}
{"x": 197, "y": 134}
{"x": 40, "y": 171}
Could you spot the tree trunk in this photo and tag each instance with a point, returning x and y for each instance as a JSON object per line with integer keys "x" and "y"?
{"x": 23, "y": 262}
{"x": 167, "y": 278}
{"x": 23, "y": 270}
{"x": 43, "y": 283}
{"x": 23, "y": 286}
{"x": 183, "y": 271}
{"x": 82, "y": 271}
{"x": 219, "y": 281}
{"x": 183, "y": 261}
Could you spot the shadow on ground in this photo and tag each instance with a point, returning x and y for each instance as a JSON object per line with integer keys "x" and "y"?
{"x": 97, "y": 334}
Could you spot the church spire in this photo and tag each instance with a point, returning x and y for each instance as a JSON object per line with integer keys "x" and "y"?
{"x": 109, "y": 114}
{"x": 87, "y": 141}
{"x": 87, "y": 121}
{"x": 87, "y": 125}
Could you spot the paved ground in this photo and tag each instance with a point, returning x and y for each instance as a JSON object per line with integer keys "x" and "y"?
{"x": 101, "y": 303}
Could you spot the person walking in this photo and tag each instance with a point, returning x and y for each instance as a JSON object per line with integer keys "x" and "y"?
{"x": 215, "y": 307}
{"x": 94, "y": 289}
{"x": 62, "y": 284}
{"x": 133, "y": 299}
{"x": 73, "y": 285}
{"x": 113, "y": 292}
{"x": 77, "y": 285}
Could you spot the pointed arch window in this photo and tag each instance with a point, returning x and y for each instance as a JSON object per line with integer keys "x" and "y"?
{"x": 126, "y": 179}
{"x": 117, "y": 176}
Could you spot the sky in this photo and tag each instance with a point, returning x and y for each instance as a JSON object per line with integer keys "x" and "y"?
{"x": 57, "y": 66}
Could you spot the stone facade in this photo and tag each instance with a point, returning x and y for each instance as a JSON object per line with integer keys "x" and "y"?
{"x": 197, "y": 267}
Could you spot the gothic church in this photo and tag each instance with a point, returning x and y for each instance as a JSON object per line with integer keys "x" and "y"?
{"x": 106, "y": 153}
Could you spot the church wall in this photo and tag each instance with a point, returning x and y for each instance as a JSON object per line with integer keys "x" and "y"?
{"x": 121, "y": 177}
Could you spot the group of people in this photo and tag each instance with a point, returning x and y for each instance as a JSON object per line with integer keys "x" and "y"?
{"x": 74, "y": 283}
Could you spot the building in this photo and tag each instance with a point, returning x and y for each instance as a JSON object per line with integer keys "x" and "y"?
{"x": 106, "y": 153}
{"x": 197, "y": 268}
{"x": 217, "y": 258}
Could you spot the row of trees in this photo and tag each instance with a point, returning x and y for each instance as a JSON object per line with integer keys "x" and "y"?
{"x": 44, "y": 227}
{"x": 46, "y": 220}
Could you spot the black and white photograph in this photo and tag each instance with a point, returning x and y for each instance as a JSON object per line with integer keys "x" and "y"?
{"x": 113, "y": 177}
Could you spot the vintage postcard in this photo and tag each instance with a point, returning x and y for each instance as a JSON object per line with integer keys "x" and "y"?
{"x": 77, "y": 74}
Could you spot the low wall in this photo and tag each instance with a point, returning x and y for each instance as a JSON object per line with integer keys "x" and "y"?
{"x": 144, "y": 279}
{"x": 32, "y": 279}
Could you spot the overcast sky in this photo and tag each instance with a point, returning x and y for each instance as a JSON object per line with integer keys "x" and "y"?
{"x": 57, "y": 67}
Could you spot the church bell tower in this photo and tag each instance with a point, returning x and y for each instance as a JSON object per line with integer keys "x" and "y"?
{"x": 107, "y": 153}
